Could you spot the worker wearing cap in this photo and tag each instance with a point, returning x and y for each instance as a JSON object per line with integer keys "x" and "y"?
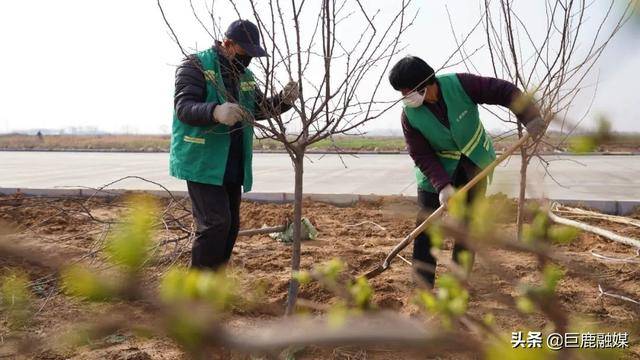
{"x": 446, "y": 139}
{"x": 215, "y": 102}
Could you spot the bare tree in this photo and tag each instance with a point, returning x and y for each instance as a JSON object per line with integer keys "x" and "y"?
{"x": 338, "y": 51}
{"x": 551, "y": 65}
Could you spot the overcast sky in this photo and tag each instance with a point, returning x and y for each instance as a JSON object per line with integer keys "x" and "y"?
{"x": 110, "y": 64}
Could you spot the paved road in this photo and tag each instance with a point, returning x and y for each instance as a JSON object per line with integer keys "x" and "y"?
{"x": 576, "y": 177}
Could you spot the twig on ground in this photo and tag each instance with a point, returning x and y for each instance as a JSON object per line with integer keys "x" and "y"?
{"x": 405, "y": 260}
{"x": 312, "y": 305}
{"x": 621, "y": 297}
{"x": 368, "y": 222}
{"x": 631, "y": 259}
{"x": 593, "y": 229}
{"x": 575, "y": 212}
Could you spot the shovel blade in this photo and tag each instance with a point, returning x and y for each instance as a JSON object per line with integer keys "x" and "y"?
{"x": 374, "y": 272}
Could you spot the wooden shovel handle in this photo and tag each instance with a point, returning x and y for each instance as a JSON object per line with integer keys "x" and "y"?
{"x": 439, "y": 211}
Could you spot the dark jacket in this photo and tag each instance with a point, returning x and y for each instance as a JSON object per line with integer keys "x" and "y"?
{"x": 481, "y": 90}
{"x": 191, "y": 107}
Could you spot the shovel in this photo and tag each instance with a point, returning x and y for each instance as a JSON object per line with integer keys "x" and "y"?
{"x": 439, "y": 211}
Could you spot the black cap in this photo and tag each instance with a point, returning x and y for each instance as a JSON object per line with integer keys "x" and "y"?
{"x": 411, "y": 72}
{"x": 246, "y": 34}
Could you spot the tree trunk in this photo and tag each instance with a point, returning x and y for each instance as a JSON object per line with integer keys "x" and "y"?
{"x": 298, "y": 166}
{"x": 524, "y": 162}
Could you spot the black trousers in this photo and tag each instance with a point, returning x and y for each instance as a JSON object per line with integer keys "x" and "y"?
{"x": 424, "y": 262}
{"x": 216, "y": 211}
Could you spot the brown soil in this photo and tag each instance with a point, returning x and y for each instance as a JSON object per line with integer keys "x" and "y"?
{"x": 61, "y": 229}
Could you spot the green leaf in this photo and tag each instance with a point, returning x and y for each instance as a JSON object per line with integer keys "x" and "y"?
{"x": 525, "y": 305}
{"x": 457, "y": 206}
{"x": 539, "y": 225}
{"x": 131, "y": 243}
{"x": 551, "y": 275}
{"x": 217, "y": 289}
{"x": 426, "y": 300}
{"x": 82, "y": 282}
{"x": 458, "y": 306}
{"x": 214, "y": 288}
{"x": 337, "y": 315}
{"x": 362, "y": 293}
{"x": 465, "y": 259}
{"x": 303, "y": 277}
{"x": 331, "y": 269}
{"x": 436, "y": 235}
{"x": 451, "y": 300}
{"x": 489, "y": 319}
{"x": 562, "y": 234}
{"x": 527, "y": 234}
{"x": 484, "y": 215}
{"x": 537, "y": 230}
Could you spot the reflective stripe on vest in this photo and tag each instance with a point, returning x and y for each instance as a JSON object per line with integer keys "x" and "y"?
{"x": 475, "y": 140}
{"x": 450, "y": 154}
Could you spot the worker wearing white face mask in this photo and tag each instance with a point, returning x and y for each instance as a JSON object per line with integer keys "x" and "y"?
{"x": 413, "y": 99}
{"x": 445, "y": 137}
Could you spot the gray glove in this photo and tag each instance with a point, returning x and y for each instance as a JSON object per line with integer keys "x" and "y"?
{"x": 290, "y": 93}
{"x": 445, "y": 194}
{"x": 536, "y": 127}
{"x": 228, "y": 113}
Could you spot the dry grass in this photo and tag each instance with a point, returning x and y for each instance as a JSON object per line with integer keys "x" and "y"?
{"x": 160, "y": 143}
{"x": 554, "y": 142}
{"x": 87, "y": 142}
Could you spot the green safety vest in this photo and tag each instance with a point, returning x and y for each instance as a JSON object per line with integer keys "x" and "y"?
{"x": 465, "y": 134}
{"x": 199, "y": 153}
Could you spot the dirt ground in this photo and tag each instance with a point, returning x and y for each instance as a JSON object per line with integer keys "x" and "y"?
{"x": 72, "y": 229}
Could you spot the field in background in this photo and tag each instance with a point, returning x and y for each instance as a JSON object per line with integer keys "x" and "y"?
{"x": 86, "y": 142}
{"x": 160, "y": 143}
{"x": 345, "y": 143}
{"x": 556, "y": 142}
{"x": 154, "y": 143}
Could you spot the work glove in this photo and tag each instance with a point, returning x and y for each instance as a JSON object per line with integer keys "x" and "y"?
{"x": 536, "y": 127}
{"x": 445, "y": 194}
{"x": 290, "y": 93}
{"x": 228, "y": 113}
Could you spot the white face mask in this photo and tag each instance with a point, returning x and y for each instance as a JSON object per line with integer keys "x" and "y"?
{"x": 413, "y": 100}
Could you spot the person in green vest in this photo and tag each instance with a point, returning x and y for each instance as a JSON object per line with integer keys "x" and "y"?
{"x": 215, "y": 103}
{"x": 446, "y": 139}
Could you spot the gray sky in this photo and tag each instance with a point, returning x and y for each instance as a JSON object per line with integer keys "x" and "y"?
{"x": 110, "y": 64}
